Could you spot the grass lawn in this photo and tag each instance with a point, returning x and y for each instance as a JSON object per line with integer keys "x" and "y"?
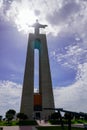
{"x": 18, "y": 123}
{"x": 79, "y": 121}
{"x": 57, "y": 128}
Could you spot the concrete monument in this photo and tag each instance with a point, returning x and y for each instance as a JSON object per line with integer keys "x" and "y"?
{"x": 32, "y": 104}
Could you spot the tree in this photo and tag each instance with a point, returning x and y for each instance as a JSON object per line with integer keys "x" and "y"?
{"x": 10, "y": 114}
{"x": 22, "y": 116}
{"x": 77, "y": 116}
{"x": 68, "y": 115}
{"x": 55, "y": 116}
{"x": 0, "y": 118}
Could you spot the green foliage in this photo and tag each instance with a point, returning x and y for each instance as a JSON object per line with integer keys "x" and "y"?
{"x": 65, "y": 121}
{"x": 10, "y": 114}
{"x": 18, "y": 123}
{"x": 5, "y": 123}
{"x": 79, "y": 121}
{"x": 54, "y": 122}
{"x": 55, "y": 116}
{"x": 23, "y": 123}
{"x": 9, "y": 117}
{"x": 11, "y": 111}
{"x": 22, "y": 116}
{"x": 68, "y": 115}
{"x": 0, "y": 118}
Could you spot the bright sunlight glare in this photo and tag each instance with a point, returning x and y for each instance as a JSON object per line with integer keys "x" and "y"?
{"x": 24, "y": 20}
{"x": 22, "y": 15}
{"x": 1, "y": 2}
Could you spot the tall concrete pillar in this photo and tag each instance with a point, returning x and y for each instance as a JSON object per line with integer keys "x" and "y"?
{"x": 45, "y": 84}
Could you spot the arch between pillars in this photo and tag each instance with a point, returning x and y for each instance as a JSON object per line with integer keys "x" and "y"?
{"x": 37, "y": 95}
{"x": 37, "y": 49}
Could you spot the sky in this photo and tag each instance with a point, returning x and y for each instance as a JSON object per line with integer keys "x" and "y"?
{"x": 67, "y": 47}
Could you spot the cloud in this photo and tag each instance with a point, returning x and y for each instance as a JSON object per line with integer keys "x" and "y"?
{"x": 63, "y": 14}
{"x": 73, "y": 97}
{"x": 73, "y": 56}
{"x": 10, "y": 95}
{"x": 59, "y": 15}
{"x": 37, "y": 12}
{"x": 1, "y": 10}
{"x": 1, "y": 3}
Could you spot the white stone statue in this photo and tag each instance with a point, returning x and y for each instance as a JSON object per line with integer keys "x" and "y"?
{"x": 37, "y": 26}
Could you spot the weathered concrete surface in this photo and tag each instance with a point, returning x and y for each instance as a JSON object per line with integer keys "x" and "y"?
{"x": 45, "y": 84}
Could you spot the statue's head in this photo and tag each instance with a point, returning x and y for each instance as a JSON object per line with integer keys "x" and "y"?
{"x": 36, "y": 20}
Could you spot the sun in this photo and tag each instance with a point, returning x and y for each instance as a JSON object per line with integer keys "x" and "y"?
{"x": 25, "y": 18}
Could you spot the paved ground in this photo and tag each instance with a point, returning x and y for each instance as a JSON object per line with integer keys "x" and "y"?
{"x": 43, "y": 123}
{"x": 40, "y": 123}
{"x": 19, "y": 128}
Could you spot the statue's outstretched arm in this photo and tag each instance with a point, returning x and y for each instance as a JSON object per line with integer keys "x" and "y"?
{"x": 43, "y": 26}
